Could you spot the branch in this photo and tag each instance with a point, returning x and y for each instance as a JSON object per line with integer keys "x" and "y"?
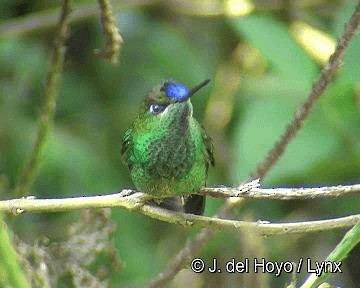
{"x": 48, "y": 108}
{"x": 136, "y": 201}
{"x": 130, "y": 199}
{"x": 318, "y": 90}
{"x": 113, "y": 38}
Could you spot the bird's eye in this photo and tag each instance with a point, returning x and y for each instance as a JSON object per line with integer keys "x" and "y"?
{"x": 156, "y": 109}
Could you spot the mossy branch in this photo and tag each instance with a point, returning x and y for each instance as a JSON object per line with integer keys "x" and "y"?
{"x": 113, "y": 38}
{"x": 11, "y": 274}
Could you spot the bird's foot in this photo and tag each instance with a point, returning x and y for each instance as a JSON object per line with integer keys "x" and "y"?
{"x": 134, "y": 199}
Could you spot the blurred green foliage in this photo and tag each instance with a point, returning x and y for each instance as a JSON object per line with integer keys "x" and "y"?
{"x": 98, "y": 101}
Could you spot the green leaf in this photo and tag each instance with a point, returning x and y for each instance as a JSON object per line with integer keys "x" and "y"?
{"x": 11, "y": 274}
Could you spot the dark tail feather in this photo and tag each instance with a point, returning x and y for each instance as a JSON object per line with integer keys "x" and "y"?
{"x": 195, "y": 204}
{"x": 172, "y": 203}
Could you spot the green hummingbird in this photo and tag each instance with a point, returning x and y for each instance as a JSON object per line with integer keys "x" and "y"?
{"x": 167, "y": 151}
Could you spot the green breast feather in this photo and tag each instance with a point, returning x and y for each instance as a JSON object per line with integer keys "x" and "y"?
{"x": 167, "y": 151}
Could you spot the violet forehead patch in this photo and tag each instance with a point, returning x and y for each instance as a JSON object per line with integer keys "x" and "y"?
{"x": 176, "y": 90}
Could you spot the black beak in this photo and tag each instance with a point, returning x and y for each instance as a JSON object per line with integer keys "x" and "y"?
{"x": 198, "y": 87}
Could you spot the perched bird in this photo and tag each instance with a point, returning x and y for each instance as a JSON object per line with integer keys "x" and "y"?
{"x": 166, "y": 149}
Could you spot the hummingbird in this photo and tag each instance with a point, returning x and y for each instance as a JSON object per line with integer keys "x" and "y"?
{"x": 167, "y": 151}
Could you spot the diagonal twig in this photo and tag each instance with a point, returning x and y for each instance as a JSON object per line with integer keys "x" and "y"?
{"x": 318, "y": 89}
{"x": 48, "y": 109}
{"x": 14, "y": 276}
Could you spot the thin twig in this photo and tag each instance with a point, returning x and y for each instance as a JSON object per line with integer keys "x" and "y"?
{"x": 48, "y": 109}
{"x": 317, "y": 91}
{"x": 191, "y": 248}
{"x": 282, "y": 193}
{"x": 113, "y": 38}
{"x": 38, "y": 21}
